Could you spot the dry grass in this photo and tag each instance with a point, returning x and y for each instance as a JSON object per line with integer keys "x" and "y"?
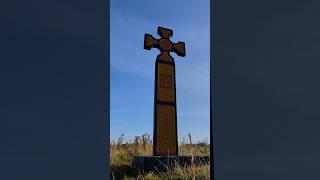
{"x": 122, "y": 152}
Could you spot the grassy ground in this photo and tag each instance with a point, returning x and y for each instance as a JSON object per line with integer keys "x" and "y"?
{"x": 122, "y": 153}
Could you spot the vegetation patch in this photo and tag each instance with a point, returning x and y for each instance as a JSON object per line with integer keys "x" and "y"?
{"x": 122, "y": 152}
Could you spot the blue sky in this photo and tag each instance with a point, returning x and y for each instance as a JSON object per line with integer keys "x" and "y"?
{"x": 132, "y": 67}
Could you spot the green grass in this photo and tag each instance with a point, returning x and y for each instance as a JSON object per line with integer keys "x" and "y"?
{"x": 121, "y": 155}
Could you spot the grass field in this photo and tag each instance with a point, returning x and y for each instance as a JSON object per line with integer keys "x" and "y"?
{"x": 122, "y": 152}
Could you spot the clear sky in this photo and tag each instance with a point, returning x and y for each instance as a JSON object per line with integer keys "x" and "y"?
{"x": 132, "y": 67}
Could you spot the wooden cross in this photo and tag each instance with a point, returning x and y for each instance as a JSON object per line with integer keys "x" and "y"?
{"x": 165, "y": 140}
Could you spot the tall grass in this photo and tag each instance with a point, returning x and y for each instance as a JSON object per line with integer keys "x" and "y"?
{"x": 122, "y": 152}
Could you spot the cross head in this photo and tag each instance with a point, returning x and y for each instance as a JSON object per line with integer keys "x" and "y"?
{"x": 165, "y": 45}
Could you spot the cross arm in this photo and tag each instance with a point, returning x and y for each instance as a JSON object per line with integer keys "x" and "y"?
{"x": 164, "y": 32}
{"x": 179, "y": 48}
{"x": 150, "y": 41}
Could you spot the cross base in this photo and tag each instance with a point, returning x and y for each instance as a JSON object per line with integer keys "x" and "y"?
{"x": 161, "y": 163}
